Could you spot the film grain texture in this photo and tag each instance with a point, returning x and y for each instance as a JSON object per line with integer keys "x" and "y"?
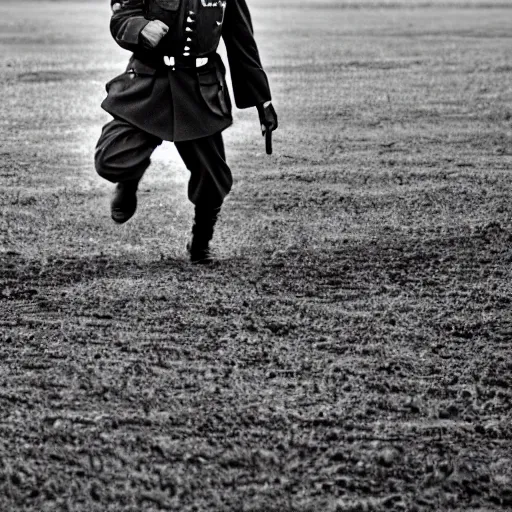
{"x": 351, "y": 352}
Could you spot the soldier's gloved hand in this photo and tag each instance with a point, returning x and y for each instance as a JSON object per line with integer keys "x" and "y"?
{"x": 268, "y": 117}
{"x": 153, "y": 33}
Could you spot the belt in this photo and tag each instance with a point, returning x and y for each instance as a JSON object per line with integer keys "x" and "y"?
{"x": 188, "y": 62}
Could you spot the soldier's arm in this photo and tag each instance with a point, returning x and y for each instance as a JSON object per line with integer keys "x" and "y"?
{"x": 127, "y": 23}
{"x": 250, "y": 83}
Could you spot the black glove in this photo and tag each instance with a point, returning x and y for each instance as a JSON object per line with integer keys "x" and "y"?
{"x": 268, "y": 117}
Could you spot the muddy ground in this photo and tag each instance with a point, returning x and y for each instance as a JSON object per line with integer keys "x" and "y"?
{"x": 352, "y": 349}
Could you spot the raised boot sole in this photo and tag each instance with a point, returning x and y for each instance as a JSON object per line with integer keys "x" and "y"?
{"x": 123, "y": 204}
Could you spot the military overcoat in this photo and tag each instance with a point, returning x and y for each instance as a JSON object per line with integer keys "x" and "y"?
{"x": 184, "y": 103}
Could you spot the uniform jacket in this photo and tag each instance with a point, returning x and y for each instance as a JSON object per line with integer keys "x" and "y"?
{"x": 184, "y": 103}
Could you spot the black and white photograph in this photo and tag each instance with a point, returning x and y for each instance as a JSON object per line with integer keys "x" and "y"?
{"x": 256, "y": 255}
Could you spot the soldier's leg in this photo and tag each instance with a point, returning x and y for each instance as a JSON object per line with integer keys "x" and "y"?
{"x": 122, "y": 156}
{"x": 210, "y": 182}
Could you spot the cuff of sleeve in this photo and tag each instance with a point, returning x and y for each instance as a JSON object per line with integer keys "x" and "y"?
{"x": 251, "y": 89}
{"x": 135, "y": 26}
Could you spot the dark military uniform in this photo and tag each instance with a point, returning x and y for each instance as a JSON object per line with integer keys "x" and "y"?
{"x": 170, "y": 93}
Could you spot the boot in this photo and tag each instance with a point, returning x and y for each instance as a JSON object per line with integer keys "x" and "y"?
{"x": 124, "y": 201}
{"x": 198, "y": 246}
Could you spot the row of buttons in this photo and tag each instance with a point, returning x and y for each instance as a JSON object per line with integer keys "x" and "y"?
{"x": 190, "y": 30}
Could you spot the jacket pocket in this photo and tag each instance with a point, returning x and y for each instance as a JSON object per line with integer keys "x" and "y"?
{"x": 136, "y": 73}
{"x": 212, "y": 85}
{"x": 139, "y": 68}
{"x": 116, "y": 83}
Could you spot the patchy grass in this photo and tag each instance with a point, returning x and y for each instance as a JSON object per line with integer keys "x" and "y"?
{"x": 351, "y": 351}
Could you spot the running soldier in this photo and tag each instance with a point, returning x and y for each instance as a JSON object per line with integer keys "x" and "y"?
{"x": 174, "y": 89}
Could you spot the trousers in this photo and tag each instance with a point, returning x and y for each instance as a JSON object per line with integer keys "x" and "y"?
{"x": 123, "y": 153}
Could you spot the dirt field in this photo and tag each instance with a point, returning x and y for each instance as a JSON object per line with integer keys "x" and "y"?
{"x": 353, "y": 349}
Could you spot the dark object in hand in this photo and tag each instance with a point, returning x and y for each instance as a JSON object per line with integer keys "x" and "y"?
{"x": 268, "y": 142}
{"x": 268, "y": 121}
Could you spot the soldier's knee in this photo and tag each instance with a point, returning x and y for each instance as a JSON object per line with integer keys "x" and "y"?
{"x": 113, "y": 165}
{"x": 100, "y": 162}
{"x": 104, "y": 165}
{"x": 108, "y": 163}
{"x": 123, "y": 152}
